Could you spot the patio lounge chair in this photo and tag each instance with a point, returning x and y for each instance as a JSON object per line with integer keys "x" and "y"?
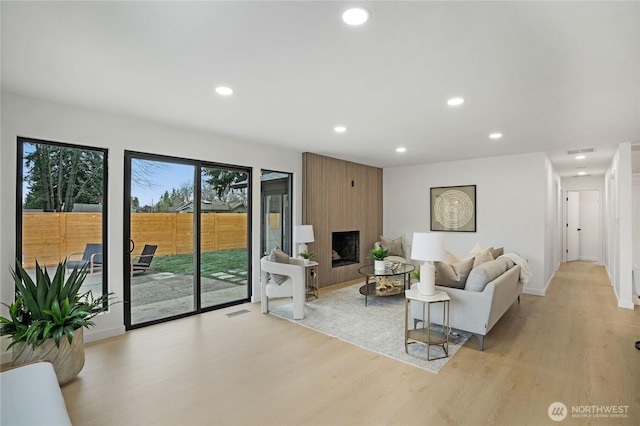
{"x": 92, "y": 257}
{"x": 143, "y": 262}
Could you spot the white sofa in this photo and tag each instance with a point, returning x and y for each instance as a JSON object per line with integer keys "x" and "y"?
{"x": 293, "y": 286}
{"x": 31, "y": 396}
{"x": 478, "y": 311}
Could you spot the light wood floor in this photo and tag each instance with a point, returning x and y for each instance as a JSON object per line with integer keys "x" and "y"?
{"x": 573, "y": 346}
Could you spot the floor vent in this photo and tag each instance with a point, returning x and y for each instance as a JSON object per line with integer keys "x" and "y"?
{"x": 236, "y": 313}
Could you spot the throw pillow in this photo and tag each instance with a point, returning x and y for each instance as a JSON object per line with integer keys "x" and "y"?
{"x": 482, "y": 257}
{"x": 496, "y": 253}
{"x": 394, "y": 246}
{"x": 278, "y": 256}
{"x": 453, "y": 274}
{"x": 450, "y": 257}
{"x": 475, "y": 250}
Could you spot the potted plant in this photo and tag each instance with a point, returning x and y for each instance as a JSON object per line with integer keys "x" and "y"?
{"x": 307, "y": 256}
{"x": 379, "y": 254}
{"x": 48, "y": 317}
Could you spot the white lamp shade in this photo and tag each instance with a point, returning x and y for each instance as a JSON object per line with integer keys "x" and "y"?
{"x": 303, "y": 234}
{"x": 428, "y": 246}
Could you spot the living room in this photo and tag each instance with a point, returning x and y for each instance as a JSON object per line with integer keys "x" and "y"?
{"x": 519, "y": 193}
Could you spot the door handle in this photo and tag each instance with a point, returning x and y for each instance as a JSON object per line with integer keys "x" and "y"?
{"x": 579, "y": 229}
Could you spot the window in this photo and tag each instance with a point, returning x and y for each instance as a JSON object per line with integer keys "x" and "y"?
{"x": 62, "y": 209}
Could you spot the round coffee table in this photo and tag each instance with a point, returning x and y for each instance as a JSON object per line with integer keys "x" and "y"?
{"x": 369, "y": 288}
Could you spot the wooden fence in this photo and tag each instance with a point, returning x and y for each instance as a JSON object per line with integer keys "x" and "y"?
{"x": 49, "y": 237}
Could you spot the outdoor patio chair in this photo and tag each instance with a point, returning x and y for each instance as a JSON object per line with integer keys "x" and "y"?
{"x": 142, "y": 263}
{"x": 92, "y": 256}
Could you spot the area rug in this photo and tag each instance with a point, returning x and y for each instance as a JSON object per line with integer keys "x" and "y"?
{"x": 378, "y": 327}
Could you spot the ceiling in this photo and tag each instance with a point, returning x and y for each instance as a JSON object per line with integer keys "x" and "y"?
{"x": 550, "y": 76}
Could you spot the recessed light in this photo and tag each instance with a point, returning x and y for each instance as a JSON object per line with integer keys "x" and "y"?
{"x": 455, "y": 101}
{"x": 355, "y": 16}
{"x": 495, "y": 135}
{"x": 401, "y": 149}
{"x": 224, "y": 91}
{"x": 580, "y": 157}
{"x": 582, "y": 173}
{"x": 339, "y": 129}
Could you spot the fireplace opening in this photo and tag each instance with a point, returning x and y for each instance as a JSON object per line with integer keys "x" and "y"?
{"x": 345, "y": 248}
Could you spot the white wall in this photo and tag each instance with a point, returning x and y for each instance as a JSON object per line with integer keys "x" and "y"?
{"x": 618, "y": 225}
{"x": 635, "y": 220}
{"x": 553, "y": 222}
{"x": 28, "y": 117}
{"x": 511, "y": 200}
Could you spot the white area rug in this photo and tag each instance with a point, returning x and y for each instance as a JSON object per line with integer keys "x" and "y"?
{"x": 379, "y": 327}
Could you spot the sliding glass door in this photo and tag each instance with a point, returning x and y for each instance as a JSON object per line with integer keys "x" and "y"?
{"x": 187, "y": 227}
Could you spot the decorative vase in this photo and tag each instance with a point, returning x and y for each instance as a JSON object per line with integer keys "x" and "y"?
{"x": 67, "y": 360}
{"x": 379, "y": 265}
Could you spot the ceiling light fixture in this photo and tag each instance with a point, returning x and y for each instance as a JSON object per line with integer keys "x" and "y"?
{"x": 495, "y": 135}
{"x": 224, "y": 91}
{"x": 580, "y": 157}
{"x": 455, "y": 101}
{"x": 401, "y": 149}
{"x": 355, "y": 16}
{"x": 339, "y": 129}
{"x": 582, "y": 173}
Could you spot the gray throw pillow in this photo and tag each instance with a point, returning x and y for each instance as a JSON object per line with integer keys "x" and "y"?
{"x": 394, "y": 246}
{"x": 485, "y": 273}
{"x": 278, "y": 256}
{"x": 453, "y": 275}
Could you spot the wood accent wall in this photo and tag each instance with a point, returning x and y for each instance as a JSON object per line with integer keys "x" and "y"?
{"x": 340, "y": 196}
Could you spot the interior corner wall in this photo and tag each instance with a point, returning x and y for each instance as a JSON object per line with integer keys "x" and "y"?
{"x": 553, "y": 221}
{"x": 29, "y": 117}
{"x": 511, "y": 196}
{"x": 618, "y": 225}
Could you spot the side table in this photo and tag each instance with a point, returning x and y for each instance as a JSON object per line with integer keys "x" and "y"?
{"x": 311, "y": 280}
{"x": 424, "y": 334}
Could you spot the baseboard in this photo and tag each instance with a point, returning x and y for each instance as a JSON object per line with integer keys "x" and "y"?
{"x": 103, "y": 334}
{"x": 626, "y": 305}
{"x": 590, "y": 259}
{"x": 533, "y": 291}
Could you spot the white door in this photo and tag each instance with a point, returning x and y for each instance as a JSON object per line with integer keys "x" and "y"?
{"x": 573, "y": 226}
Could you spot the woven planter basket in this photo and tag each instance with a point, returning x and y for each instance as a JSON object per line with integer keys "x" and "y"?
{"x": 67, "y": 360}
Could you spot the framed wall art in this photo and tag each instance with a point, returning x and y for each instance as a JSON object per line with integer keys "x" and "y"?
{"x": 453, "y": 208}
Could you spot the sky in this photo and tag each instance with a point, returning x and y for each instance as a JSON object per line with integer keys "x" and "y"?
{"x": 165, "y": 177}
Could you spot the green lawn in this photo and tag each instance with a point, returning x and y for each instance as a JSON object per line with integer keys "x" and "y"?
{"x": 212, "y": 262}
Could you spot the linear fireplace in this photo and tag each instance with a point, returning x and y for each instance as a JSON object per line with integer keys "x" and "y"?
{"x": 345, "y": 248}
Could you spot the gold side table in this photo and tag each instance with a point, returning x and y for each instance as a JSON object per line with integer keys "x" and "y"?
{"x": 311, "y": 280}
{"x": 424, "y": 334}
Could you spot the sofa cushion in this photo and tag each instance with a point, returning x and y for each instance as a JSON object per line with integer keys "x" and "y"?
{"x": 482, "y": 275}
{"x": 394, "y": 246}
{"x": 278, "y": 256}
{"x": 453, "y": 274}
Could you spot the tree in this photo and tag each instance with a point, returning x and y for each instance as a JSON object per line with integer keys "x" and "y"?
{"x": 221, "y": 181}
{"x": 59, "y": 177}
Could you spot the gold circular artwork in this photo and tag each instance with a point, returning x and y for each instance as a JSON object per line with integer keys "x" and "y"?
{"x": 453, "y": 209}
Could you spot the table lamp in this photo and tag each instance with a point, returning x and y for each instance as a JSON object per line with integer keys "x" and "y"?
{"x": 303, "y": 234}
{"x": 427, "y": 246}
